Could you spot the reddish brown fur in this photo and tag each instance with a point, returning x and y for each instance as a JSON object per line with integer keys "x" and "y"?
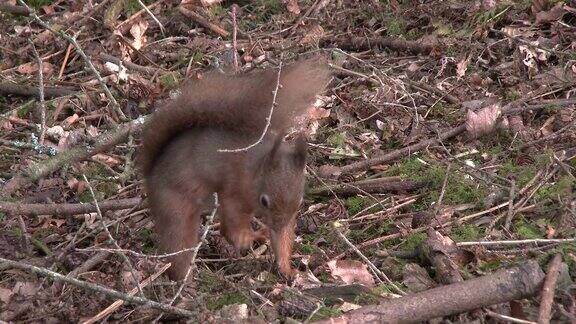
{"x": 182, "y": 165}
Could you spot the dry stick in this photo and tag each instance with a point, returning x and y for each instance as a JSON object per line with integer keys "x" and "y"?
{"x": 379, "y": 185}
{"x": 65, "y": 61}
{"x": 268, "y": 118}
{"x": 117, "y": 304}
{"x": 499, "y": 287}
{"x": 98, "y": 289}
{"x": 516, "y": 242}
{"x": 507, "y": 109}
{"x": 66, "y": 209}
{"x": 9, "y": 88}
{"x": 442, "y": 94}
{"x": 88, "y": 62}
{"x": 110, "y": 237}
{"x": 547, "y": 296}
{"x": 195, "y": 252}
{"x": 508, "y": 318}
{"x": 336, "y": 226}
{"x": 234, "y": 34}
{"x": 367, "y": 43}
{"x": 203, "y": 22}
{"x": 41, "y": 169}
{"x": 40, "y": 94}
{"x": 89, "y": 264}
{"x": 152, "y": 15}
{"x": 124, "y": 26}
{"x": 128, "y": 64}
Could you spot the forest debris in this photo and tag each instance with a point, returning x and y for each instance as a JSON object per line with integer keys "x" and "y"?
{"x": 353, "y": 43}
{"x": 204, "y": 22}
{"x": 502, "y": 286}
{"x": 9, "y": 88}
{"x": 66, "y": 209}
{"x": 380, "y": 185}
{"x": 484, "y": 121}
{"x": 351, "y": 271}
{"x": 547, "y": 297}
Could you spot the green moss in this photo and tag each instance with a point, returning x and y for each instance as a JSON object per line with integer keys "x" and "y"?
{"x": 360, "y": 235}
{"x": 325, "y": 312}
{"x": 521, "y": 173}
{"x": 552, "y": 191}
{"x": 412, "y": 241}
{"x": 466, "y": 232}
{"x": 229, "y": 298}
{"x": 37, "y": 4}
{"x": 336, "y": 139}
{"x": 170, "y": 80}
{"x": 527, "y": 230}
{"x": 209, "y": 282}
{"x": 146, "y": 237}
{"x": 356, "y": 204}
{"x": 132, "y": 6}
{"x": 394, "y": 26}
{"x": 490, "y": 265}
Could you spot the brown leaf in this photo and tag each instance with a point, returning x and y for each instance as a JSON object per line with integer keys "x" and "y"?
{"x": 551, "y": 15}
{"x": 137, "y": 31}
{"x": 484, "y": 121}
{"x": 538, "y": 5}
{"x": 106, "y": 159}
{"x": 5, "y": 295}
{"x": 351, "y": 271}
{"x": 417, "y": 278}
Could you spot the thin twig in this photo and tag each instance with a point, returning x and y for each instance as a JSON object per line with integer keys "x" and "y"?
{"x": 336, "y": 226}
{"x": 40, "y": 94}
{"x": 268, "y": 118}
{"x": 110, "y": 309}
{"x": 195, "y": 252}
{"x": 98, "y": 289}
{"x": 88, "y": 62}
{"x": 110, "y": 237}
{"x": 234, "y": 34}
{"x": 516, "y": 242}
{"x": 152, "y": 15}
{"x": 508, "y": 318}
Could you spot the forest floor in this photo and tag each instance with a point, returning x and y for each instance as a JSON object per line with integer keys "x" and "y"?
{"x": 444, "y": 149}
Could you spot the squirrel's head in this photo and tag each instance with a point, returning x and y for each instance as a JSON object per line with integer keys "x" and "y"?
{"x": 281, "y": 186}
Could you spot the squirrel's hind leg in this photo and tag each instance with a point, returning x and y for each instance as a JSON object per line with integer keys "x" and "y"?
{"x": 177, "y": 222}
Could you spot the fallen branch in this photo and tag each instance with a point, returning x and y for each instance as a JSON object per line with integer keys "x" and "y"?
{"x": 128, "y": 64}
{"x": 14, "y": 208}
{"x": 41, "y": 169}
{"x": 9, "y": 88}
{"x": 502, "y": 286}
{"x": 353, "y": 43}
{"x": 98, "y": 289}
{"x": 204, "y": 22}
{"x": 381, "y": 185}
{"x": 547, "y": 297}
{"x": 509, "y": 109}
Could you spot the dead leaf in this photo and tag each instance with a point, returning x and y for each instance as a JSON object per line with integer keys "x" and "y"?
{"x": 26, "y": 289}
{"x": 538, "y": 5}
{"x": 417, "y": 278}
{"x": 70, "y": 120}
{"x": 292, "y": 6}
{"x": 106, "y": 159}
{"x": 461, "y": 67}
{"x": 351, "y": 271}
{"x": 346, "y": 307}
{"x": 551, "y": 15}
{"x": 313, "y": 35}
{"x": 137, "y": 31}
{"x": 5, "y": 295}
{"x": 484, "y": 121}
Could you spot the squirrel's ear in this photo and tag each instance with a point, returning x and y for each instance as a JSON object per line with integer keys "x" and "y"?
{"x": 299, "y": 153}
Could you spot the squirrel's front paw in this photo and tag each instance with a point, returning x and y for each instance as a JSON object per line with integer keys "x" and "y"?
{"x": 241, "y": 239}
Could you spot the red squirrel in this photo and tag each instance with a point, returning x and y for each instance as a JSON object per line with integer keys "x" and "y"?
{"x": 183, "y": 165}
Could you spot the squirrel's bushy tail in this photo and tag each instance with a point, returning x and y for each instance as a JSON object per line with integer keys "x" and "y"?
{"x": 235, "y": 103}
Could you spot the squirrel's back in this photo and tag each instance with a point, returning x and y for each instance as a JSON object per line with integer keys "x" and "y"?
{"x": 234, "y": 103}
